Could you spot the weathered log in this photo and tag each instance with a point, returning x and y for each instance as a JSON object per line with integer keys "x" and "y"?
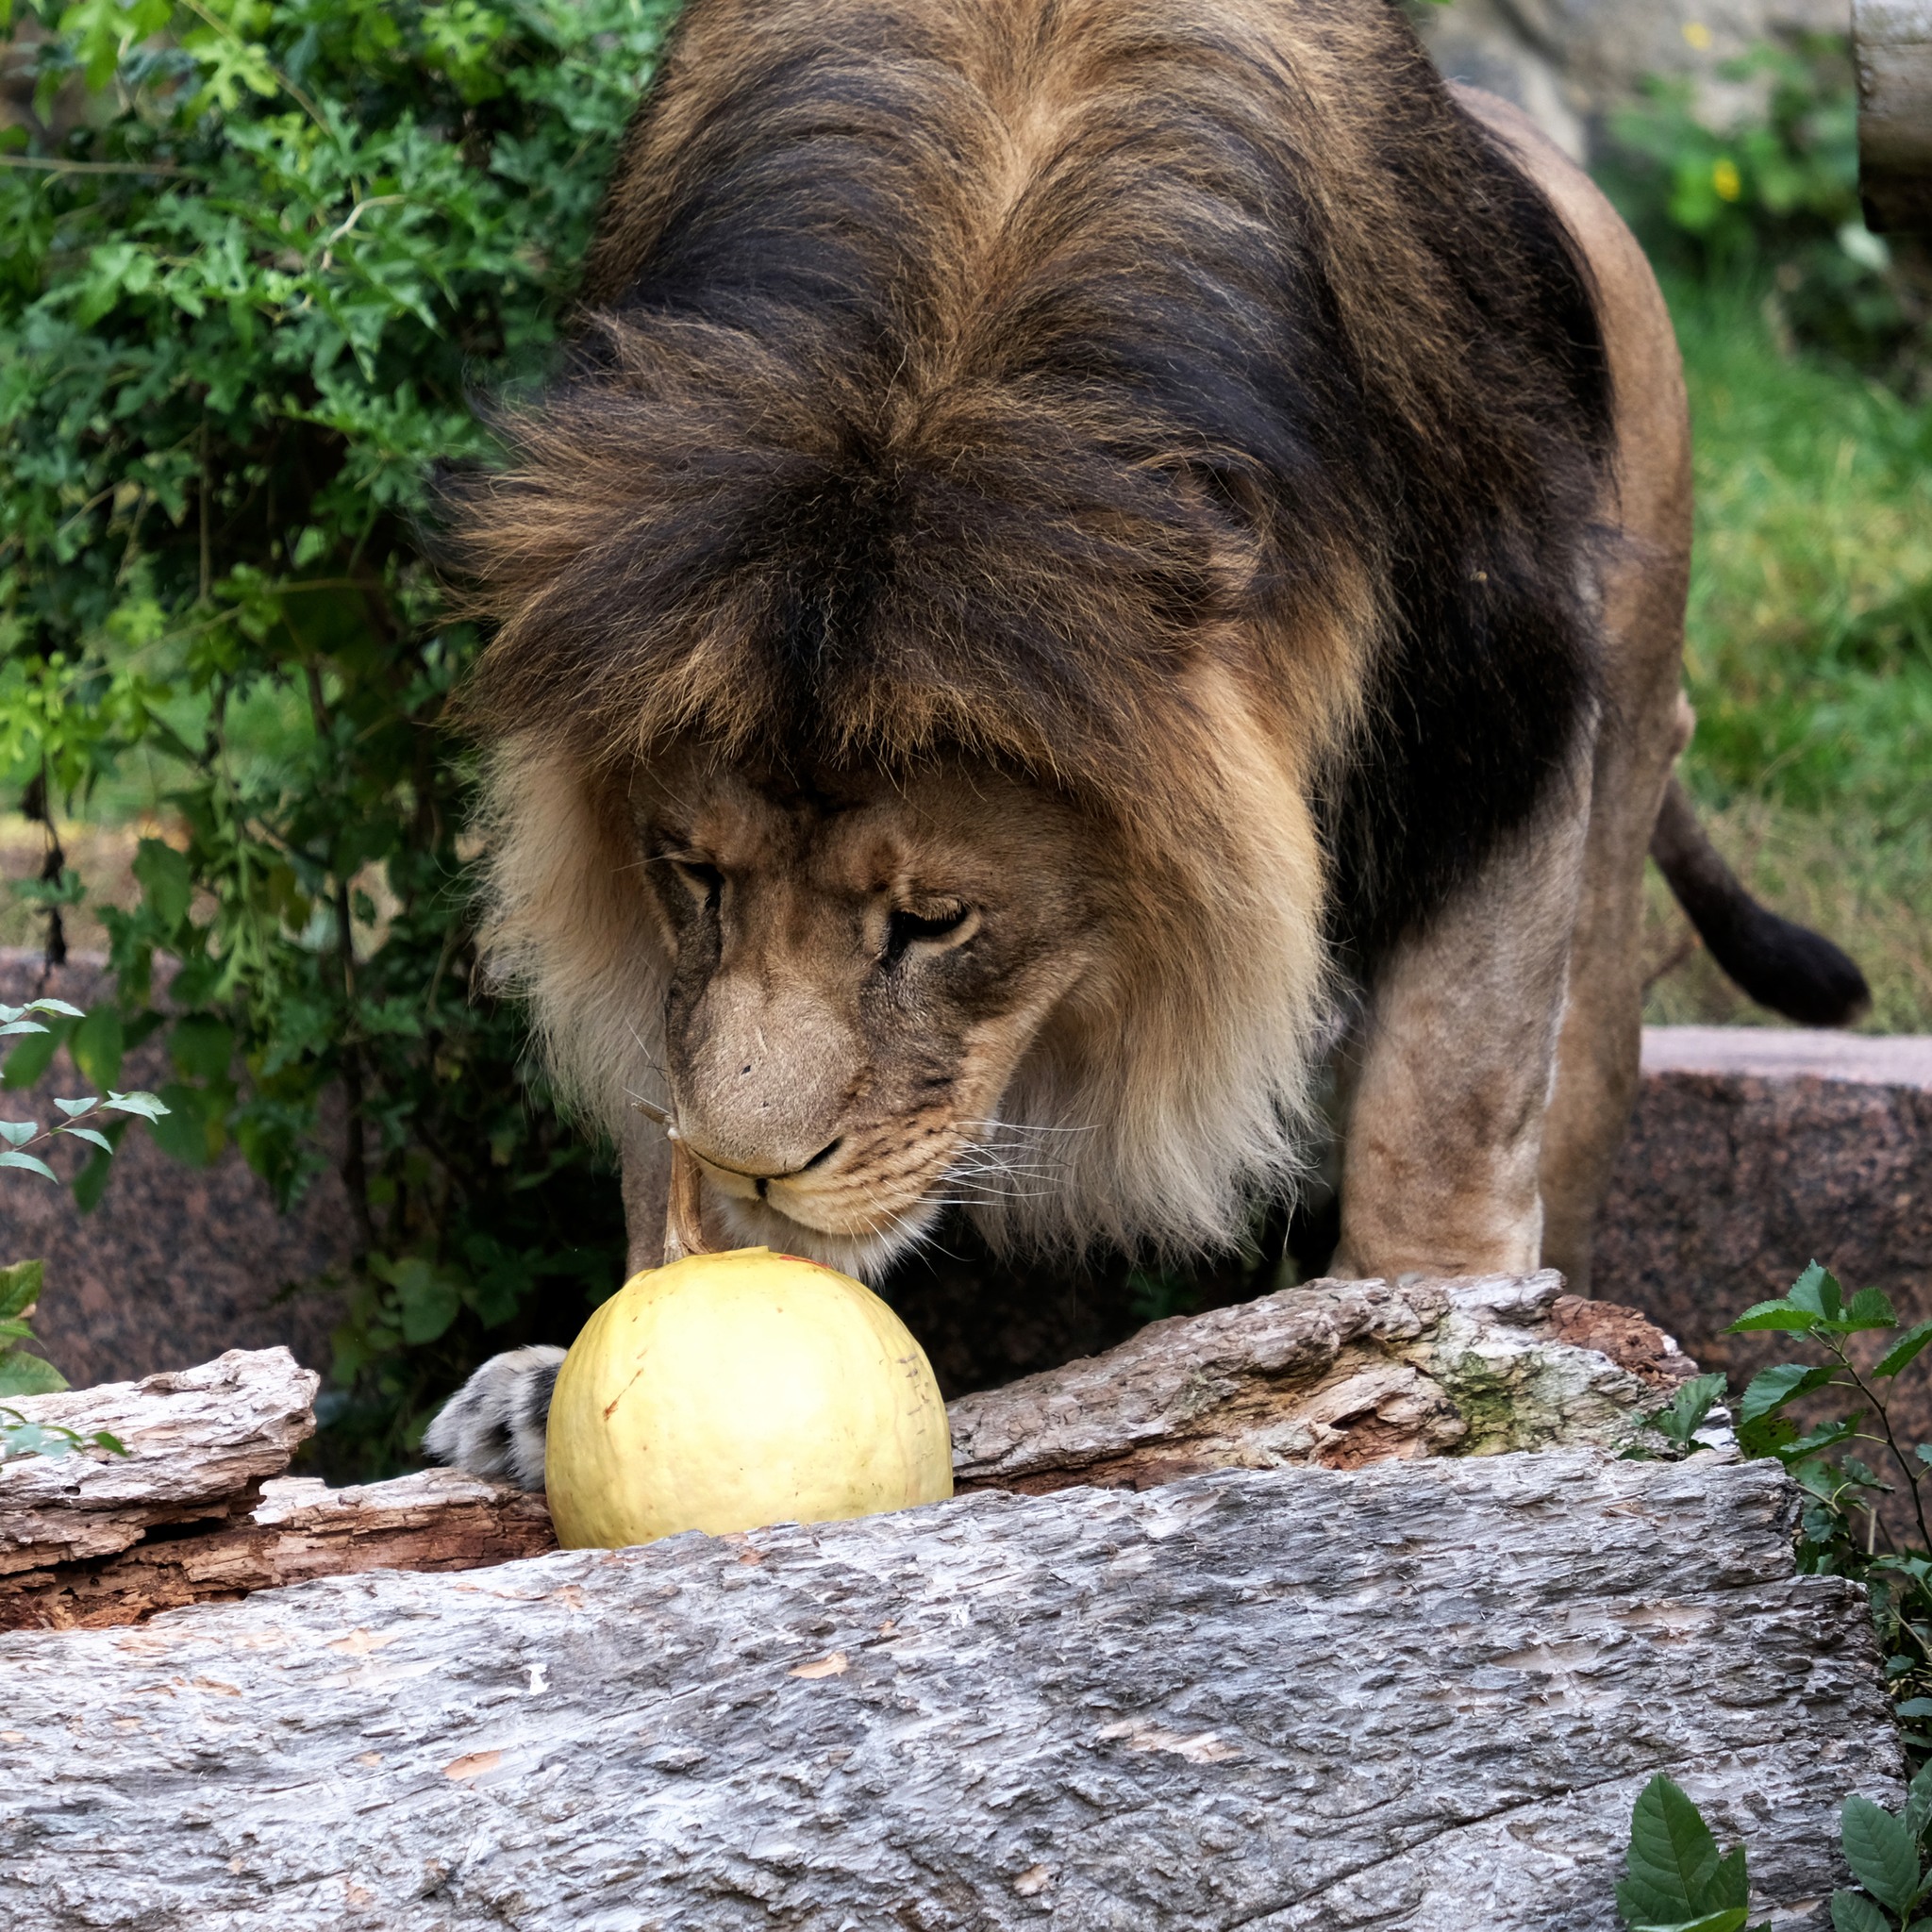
{"x": 200, "y": 1442}
{"x": 1336, "y": 1374}
{"x": 1339, "y": 1372}
{"x": 1893, "y": 44}
{"x": 1422, "y": 1694}
{"x": 438, "y": 1520}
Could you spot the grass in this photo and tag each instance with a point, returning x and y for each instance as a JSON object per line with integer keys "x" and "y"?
{"x": 1809, "y": 656}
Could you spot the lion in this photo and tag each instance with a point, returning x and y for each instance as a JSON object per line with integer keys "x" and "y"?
{"x": 1103, "y": 585}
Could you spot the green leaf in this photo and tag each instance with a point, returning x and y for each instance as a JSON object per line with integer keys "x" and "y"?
{"x": 428, "y": 1298}
{"x": 1905, "y": 1351}
{"x": 166, "y": 881}
{"x": 201, "y": 1046}
{"x": 1817, "y": 1289}
{"x": 21, "y": 1374}
{"x": 20, "y": 1287}
{"x": 191, "y": 1128}
{"x": 1881, "y": 1854}
{"x": 18, "y": 1133}
{"x": 28, "y": 1063}
{"x": 145, "y": 1104}
{"x": 1729, "y": 1921}
{"x": 91, "y": 1134}
{"x": 12, "y": 1156}
{"x": 1694, "y": 1400}
{"x": 97, "y": 1045}
{"x": 1870, "y": 1308}
{"x": 1778, "y": 1315}
{"x": 48, "y": 1005}
{"x": 1919, "y": 1803}
{"x": 1852, "y": 1912}
{"x": 1675, "y": 1874}
{"x": 1770, "y": 1389}
{"x": 75, "y": 1108}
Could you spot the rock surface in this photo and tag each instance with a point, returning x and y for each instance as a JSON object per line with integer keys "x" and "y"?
{"x": 1422, "y": 1694}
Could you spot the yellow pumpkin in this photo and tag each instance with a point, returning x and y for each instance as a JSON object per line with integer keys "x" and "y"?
{"x": 726, "y": 1391}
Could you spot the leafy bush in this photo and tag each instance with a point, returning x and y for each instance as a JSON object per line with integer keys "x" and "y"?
{"x": 1773, "y": 196}
{"x": 1677, "y": 1882}
{"x": 253, "y": 257}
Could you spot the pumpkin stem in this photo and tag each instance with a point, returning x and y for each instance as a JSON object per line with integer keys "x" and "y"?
{"x": 684, "y": 1226}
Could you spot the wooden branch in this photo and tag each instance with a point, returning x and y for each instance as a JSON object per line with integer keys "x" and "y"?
{"x": 1338, "y": 1373}
{"x": 1421, "y": 1694}
{"x": 436, "y": 1521}
{"x": 1893, "y": 42}
{"x": 200, "y": 1442}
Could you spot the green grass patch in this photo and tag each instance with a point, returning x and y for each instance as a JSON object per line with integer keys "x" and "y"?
{"x": 1808, "y": 653}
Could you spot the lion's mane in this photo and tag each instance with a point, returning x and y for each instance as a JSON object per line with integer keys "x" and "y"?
{"x": 1179, "y": 402}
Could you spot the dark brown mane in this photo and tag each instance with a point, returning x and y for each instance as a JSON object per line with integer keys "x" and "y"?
{"x": 983, "y": 373}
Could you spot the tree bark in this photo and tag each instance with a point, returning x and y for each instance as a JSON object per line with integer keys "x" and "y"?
{"x": 437, "y": 1520}
{"x": 1419, "y": 1694}
{"x": 1335, "y": 1373}
{"x": 200, "y": 1442}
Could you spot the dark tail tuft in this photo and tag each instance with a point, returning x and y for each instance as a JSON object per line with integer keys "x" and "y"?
{"x": 1782, "y": 965}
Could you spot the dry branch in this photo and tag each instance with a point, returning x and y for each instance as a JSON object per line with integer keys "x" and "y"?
{"x": 200, "y": 1442}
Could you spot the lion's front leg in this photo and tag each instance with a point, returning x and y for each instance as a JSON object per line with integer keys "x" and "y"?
{"x": 1444, "y": 1127}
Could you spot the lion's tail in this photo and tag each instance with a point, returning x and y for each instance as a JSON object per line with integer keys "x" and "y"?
{"x": 1782, "y": 965}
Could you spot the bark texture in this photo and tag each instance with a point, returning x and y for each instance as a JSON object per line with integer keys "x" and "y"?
{"x": 437, "y": 1520}
{"x": 200, "y": 1442}
{"x": 1422, "y": 1694}
{"x": 1338, "y": 1373}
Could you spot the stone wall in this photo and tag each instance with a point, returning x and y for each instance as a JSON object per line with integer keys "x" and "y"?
{"x": 177, "y": 1263}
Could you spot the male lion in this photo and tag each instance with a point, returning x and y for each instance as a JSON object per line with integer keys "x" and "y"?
{"x": 1092, "y": 558}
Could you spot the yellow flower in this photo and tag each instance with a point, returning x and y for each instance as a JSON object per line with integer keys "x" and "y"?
{"x": 1725, "y": 179}
{"x": 1697, "y": 34}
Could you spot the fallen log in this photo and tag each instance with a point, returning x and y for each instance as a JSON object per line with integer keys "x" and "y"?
{"x": 1419, "y": 1694}
{"x": 1335, "y": 1373}
{"x": 200, "y": 1441}
{"x": 301, "y": 1528}
{"x": 1339, "y": 1372}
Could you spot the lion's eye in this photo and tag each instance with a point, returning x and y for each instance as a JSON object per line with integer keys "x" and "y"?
{"x": 704, "y": 881}
{"x": 905, "y": 928}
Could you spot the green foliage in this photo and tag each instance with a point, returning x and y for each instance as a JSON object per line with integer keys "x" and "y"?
{"x": 242, "y": 307}
{"x": 1841, "y": 1530}
{"x": 1774, "y": 197}
{"x": 1678, "y": 1882}
{"x": 1680, "y": 1419}
{"x": 22, "y": 1372}
{"x": 1675, "y": 1880}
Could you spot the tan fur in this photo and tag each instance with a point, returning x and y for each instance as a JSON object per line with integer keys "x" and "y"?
{"x": 1499, "y": 1060}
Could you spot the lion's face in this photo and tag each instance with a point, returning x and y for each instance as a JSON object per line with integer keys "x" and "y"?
{"x": 856, "y": 967}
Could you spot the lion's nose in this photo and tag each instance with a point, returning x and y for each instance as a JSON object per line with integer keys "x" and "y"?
{"x": 761, "y": 1180}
